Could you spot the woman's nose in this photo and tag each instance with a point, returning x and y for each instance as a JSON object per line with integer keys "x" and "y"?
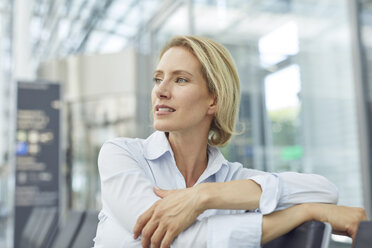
{"x": 163, "y": 89}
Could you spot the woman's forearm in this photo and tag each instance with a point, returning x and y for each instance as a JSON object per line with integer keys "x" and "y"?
{"x": 279, "y": 223}
{"x": 279, "y": 191}
{"x": 239, "y": 194}
{"x": 344, "y": 220}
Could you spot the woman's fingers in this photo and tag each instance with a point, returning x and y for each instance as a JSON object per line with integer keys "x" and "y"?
{"x": 361, "y": 216}
{"x": 170, "y": 235}
{"x": 142, "y": 221}
{"x": 157, "y": 236}
{"x": 168, "y": 217}
{"x": 148, "y": 232}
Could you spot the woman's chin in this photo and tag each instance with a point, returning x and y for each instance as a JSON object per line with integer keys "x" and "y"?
{"x": 163, "y": 128}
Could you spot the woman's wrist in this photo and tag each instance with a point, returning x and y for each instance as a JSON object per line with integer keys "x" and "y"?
{"x": 316, "y": 211}
{"x": 239, "y": 194}
{"x": 204, "y": 196}
{"x": 280, "y": 222}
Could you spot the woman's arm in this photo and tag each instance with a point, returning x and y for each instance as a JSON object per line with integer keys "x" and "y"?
{"x": 169, "y": 217}
{"x": 344, "y": 220}
{"x": 239, "y": 194}
{"x": 280, "y": 222}
{"x": 268, "y": 192}
{"x": 299, "y": 188}
{"x": 162, "y": 223}
{"x": 127, "y": 193}
{"x": 178, "y": 210}
{"x": 282, "y": 190}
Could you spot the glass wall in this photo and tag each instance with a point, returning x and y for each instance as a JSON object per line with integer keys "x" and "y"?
{"x": 295, "y": 64}
{"x": 295, "y": 60}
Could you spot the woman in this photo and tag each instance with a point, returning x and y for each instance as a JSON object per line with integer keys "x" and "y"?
{"x": 176, "y": 188}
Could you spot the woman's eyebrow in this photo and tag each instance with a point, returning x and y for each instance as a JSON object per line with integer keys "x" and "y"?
{"x": 176, "y": 72}
{"x": 181, "y": 72}
{"x": 158, "y": 72}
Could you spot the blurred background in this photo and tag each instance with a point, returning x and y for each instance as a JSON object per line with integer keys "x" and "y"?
{"x": 305, "y": 70}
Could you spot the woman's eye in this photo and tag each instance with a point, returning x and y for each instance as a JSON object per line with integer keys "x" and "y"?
{"x": 157, "y": 80}
{"x": 181, "y": 80}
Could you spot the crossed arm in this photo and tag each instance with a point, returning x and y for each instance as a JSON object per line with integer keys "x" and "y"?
{"x": 128, "y": 197}
{"x": 178, "y": 209}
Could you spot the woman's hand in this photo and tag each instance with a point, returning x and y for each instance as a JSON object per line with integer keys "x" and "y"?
{"x": 344, "y": 220}
{"x": 178, "y": 209}
{"x": 168, "y": 217}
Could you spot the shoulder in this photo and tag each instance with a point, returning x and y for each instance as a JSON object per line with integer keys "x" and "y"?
{"x": 135, "y": 149}
{"x": 120, "y": 155}
{"x": 123, "y": 143}
{"x": 155, "y": 142}
{"x": 123, "y": 147}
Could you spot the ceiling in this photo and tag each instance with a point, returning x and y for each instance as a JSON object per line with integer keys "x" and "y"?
{"x": 59, "y": 28}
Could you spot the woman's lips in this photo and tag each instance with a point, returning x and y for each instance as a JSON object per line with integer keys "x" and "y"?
{"x": 164, "y": 110}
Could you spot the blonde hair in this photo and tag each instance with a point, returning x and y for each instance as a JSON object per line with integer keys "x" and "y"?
{"x": 221, "y": 75}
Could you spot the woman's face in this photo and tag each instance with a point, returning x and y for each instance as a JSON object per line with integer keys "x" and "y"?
{"x": 180, "y": 96}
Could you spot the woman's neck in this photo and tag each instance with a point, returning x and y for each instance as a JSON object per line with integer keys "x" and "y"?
{"x": 190, "y": 153}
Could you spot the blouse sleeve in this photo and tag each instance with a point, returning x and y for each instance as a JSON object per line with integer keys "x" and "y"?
{"x": 282, "y": 190}
{"x": 127, "y": 192}
{"x": 230, "y": 230}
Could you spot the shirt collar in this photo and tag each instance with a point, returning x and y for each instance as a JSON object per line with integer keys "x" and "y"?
{"x": 215, "y": 157}
{"x": 216, "y": 161}
{"x": 156, "y": 145}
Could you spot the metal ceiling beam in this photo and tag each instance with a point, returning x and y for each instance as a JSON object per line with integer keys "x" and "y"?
{"x": 133, "y": 4}
{"x": 160, "y": 16}
{"x": 52, "y": 40}
{"x": 96, "y": 16}
{"x": 74, "y": 20}
{"x": 47, "y": 20}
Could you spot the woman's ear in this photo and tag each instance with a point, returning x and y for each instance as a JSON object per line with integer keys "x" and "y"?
{"x": 213, "y": 106}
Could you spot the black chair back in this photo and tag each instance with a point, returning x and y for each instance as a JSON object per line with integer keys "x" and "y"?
{"x": 68, "y": 232}
{"x": 84, "y": 238}
{"x": 40, "y": 228}
{"x": 312, "y": 234}
{"x": 363, "y": 238}
{"x": 47, "y": 230}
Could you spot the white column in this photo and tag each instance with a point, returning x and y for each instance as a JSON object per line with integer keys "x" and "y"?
{"x": 22, "y": 70}
{"x": 2, "y": 89}
{"x": 22, "y": 40}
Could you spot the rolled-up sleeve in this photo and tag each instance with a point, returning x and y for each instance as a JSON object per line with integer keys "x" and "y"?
{"x": 299, "y": 188}
{"x": 283, "y": 190}
{"x": 271, "y": 194}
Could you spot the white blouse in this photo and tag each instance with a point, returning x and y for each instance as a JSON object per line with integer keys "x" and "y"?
{"x": 130, "y": 168}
